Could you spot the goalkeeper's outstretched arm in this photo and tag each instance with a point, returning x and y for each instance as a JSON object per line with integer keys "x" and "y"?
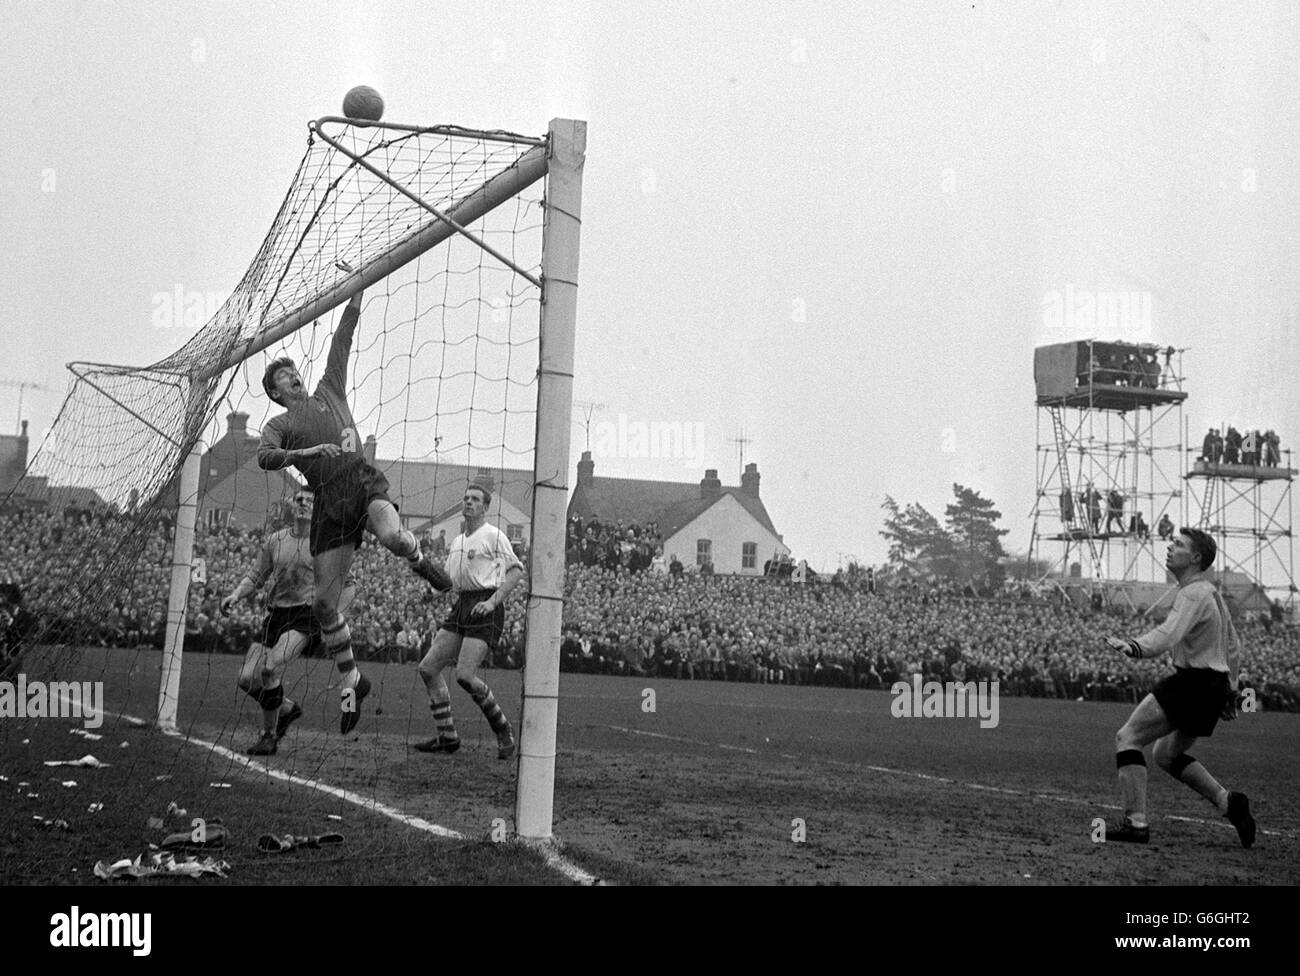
{"x": 336, "y": 368}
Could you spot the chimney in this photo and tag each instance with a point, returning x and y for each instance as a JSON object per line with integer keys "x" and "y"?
{"x": 24, "y": 433}
{"x": 586, "y": 469}
{"x": 237, "y": 424}
{"x": 749, "y": 480}
{"x": 368, "y": 449}
{"x": 710, "y": 486}
{"x": 484, "y": 478}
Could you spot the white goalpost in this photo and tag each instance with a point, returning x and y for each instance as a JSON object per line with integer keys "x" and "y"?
{"x": 536, "y": 789}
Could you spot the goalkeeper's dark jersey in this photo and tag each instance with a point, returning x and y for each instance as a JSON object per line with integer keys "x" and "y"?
{"x": 323, "y": 418}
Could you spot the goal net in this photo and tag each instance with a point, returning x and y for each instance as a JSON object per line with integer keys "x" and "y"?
{"x": 145, "y": 506}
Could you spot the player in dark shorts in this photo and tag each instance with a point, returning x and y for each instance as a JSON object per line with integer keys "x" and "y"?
{"x": 318, "y": 436}
{"x": 484, "y": 569}
{"x": 290, "y": 628}
{"x": 1186, "y": 705}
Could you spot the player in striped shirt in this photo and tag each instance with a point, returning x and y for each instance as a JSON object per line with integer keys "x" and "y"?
{"x": 1204, "y": 648}
{"x": 318, "y": 436}
{"x": 484, "y": 569}
{"x": 290, "y": 627}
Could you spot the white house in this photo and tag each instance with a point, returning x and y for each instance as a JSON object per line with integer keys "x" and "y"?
{"x": 728, "y": 526}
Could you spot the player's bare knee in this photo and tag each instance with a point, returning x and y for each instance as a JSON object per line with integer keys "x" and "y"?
{"x": 245, "y": 681}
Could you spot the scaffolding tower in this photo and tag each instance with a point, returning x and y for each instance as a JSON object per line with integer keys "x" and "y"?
{"x": 1244, "y": 502}
{"x": 1110, "y": 457}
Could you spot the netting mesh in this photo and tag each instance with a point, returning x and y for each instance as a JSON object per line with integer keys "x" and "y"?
{"x": 442, "y": 384}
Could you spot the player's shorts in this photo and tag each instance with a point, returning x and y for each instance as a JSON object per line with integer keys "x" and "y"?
{"x": 1193, "y": 698}
{"x": 342, "y": 505}
{"x": 281, "y": 620}
{"x": 487, "y": 628}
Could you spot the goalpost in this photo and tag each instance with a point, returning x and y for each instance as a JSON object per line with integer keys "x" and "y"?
{"x": 370, "y": 199}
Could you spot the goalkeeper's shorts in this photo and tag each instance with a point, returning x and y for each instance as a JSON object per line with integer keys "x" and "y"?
{"x": 342, "y": 506}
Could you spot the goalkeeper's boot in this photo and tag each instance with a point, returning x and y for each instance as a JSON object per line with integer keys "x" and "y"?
{"x": 505, "y": 743}
{"x": 351, "y": 716}
{"x": 265, "y": 746}
{"x": 1239, "y": 816}
{"x": 286, "y": 719}
{"x": 431, "y": 573}
{"x": 439, "y": 743}
{"x": 1126, "y": 833}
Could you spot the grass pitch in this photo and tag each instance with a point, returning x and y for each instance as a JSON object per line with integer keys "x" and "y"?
{"x": 717, "y": 783}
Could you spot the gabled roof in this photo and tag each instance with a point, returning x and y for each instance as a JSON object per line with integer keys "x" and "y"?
{"x": 630, "y": 499}
{"x": 426, "y": 488}
{"x": 670, "y": 503}
{"x": 682, "y": 514}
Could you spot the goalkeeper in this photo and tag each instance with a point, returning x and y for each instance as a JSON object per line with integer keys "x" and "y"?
{"x": 1199, "y": 636}
{"x": 318, "y": 436}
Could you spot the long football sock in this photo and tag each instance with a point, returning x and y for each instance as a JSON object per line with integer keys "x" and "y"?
{"x": 483, "y": 698}
{"x": 1187, "y": 770}
{"x": 337, "y": 639}
{"x": 1131, "y": 764}
{"x": 442, "y": 718}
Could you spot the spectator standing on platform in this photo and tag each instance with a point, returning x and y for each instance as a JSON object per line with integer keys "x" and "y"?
{"x": 1232, "y": 446}
{"x": 1272, "y": 449}
{"x": 1094, "y": 507}
{"x": 1115, "y": 510}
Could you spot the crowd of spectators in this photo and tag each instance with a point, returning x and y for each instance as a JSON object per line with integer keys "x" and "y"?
{"x": 1123, "y": 365}
{"x": 633, "y": 547}
{"x": 626, "y": 616}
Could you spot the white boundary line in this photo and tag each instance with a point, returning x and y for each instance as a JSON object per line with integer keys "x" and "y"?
{"x": 419, "y": 823}
{"x": 1055, "y": 798}
{"x": 558, "y": 862}
{"x": 550, "y": 855}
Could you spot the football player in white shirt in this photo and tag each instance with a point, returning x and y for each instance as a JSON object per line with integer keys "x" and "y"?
{"x": 1204, "y": 648}
{"x": 483, "y": 569}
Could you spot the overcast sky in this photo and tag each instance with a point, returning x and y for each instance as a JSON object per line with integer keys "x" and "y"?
{"x": 833, "y": 225}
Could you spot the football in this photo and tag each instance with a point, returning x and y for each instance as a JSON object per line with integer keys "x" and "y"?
{"x": 363, "y": 102}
